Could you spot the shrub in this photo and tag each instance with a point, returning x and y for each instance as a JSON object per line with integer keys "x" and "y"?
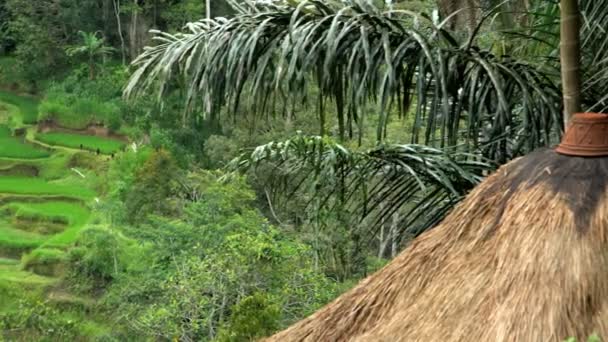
{"x": 27, "y": 106}
{"x": 252, "y": 318}
{"x": 39, "y": 321}
{"x": 78, "y": 113}
{"x": 155, "y": 182}
{"x": 98, "y": 256}
{"x": 220, "y": 150}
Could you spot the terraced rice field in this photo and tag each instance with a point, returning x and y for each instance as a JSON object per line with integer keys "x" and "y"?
{"x": 43, "y": 204}
{"x": 88, "y": 142}
{"x": 37, "y": 186}
{"x": 46, "y": 200}
{"x": 13, "y": 147}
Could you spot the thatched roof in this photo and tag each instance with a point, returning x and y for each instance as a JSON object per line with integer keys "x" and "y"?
{"x": 523, "y": 258}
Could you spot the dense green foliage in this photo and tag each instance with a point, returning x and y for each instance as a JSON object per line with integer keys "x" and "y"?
{"x": 219, "y": 253}
{"x": 27, "y": 106}
{"x": 213, "y": 211}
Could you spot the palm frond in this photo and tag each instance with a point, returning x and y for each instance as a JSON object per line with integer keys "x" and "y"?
{"x": 544, "y": 30}
{"x": 594, "y": 42}
{"x": 419, "y": 182}
{"x": 355, "y": 55}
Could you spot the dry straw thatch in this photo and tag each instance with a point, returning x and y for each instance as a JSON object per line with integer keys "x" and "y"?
{"x": 523, "y": 258}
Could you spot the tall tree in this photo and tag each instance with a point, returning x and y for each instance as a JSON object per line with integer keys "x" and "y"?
{"x": 93, "y": 47}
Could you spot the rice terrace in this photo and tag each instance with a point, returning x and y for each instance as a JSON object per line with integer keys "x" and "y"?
{"x": 48, "y": 186}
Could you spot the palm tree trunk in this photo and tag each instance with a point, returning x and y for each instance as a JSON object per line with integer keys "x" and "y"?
{"x": 570, "y": 57}
{"x": 91, "y": 67}
{"x": 91, "y": 71}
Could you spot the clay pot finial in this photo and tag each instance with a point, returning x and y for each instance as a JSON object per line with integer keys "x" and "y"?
{"x": 586, "y": 136}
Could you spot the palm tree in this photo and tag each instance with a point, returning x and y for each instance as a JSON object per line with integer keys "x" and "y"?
{"x": 355, "y": 55}
{"x": 462, "y": 98}
{"x": 456, "y": 92}
{"x": 92, "y": 47}
{"x": 370, "y": 185}
{"x": 482, "y": 268}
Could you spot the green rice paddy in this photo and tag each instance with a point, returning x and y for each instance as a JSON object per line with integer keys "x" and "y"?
{"x": 16, "y": 239}
{"x": 38, "y": 186}
{"x": 12, "y": 147}
{"x": 74, "y": 214}
{"x": 8, "y": 262}
{"x": 15, "y": 275}
{"x": 43, "y": 203}
{"x": 43, "y": 207}
{"x": 88, "y": 142}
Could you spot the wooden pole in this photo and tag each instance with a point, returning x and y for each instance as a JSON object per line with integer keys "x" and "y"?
{"x": 570, "y": 51}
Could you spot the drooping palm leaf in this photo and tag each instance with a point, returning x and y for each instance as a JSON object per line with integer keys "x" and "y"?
{"x": 544, "y": 30}
{"x": 420, "y": 182}
{"x": 354, "y": 55}
{"x": 594, "y": 42}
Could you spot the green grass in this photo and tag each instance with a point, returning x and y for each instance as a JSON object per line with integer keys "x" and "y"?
{"x": 13, "y": 274}
{"x": 53, "y": 211}
{"x": 45, "y": 255}
{"x": 76, "y": 215}
{"x": 8, "y": 113}
{"x": 11, "y": 147}
{"x": 38, "y": 186}
{"x": 28, "y": 107}
{"x": 53, "y": 167}
{"x": 18, "y": 239}
{"x": 8, "y": 262}
{"x": 88, "y": 142}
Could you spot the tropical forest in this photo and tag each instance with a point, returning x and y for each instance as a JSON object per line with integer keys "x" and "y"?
{"x": 303, "y": 170}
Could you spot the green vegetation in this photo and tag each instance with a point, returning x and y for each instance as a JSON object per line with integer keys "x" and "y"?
{"x": 72, "y": 216}
{"x": 15, "y": 239}
{"x": 8, "y": 262}
{"x": 77, "y": 113}
{"x": 227, "y": 218}
{"x": 37, "y": 186}
{"x": 51, "y": 168}
{"x": 28, "y": 106}
{"x": 64, "y": 212}
{"x": 592, "y": 338}
{"x": 9, "y": 274}
{"x": 88, "y": 142}
{"x": 92, "y": 47}
{"x": 12, "y": 147}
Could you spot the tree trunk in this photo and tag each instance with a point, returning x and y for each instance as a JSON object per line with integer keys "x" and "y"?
{"x": 394, "y": 236}
{"x": 91, "y": 71}
{"x": 133, "y": 41}
{"x": 570, "y": 57}
{"x": 118, "y": 22}
{"x": 464, "y": 13}
{"x": 382, "y": 243}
